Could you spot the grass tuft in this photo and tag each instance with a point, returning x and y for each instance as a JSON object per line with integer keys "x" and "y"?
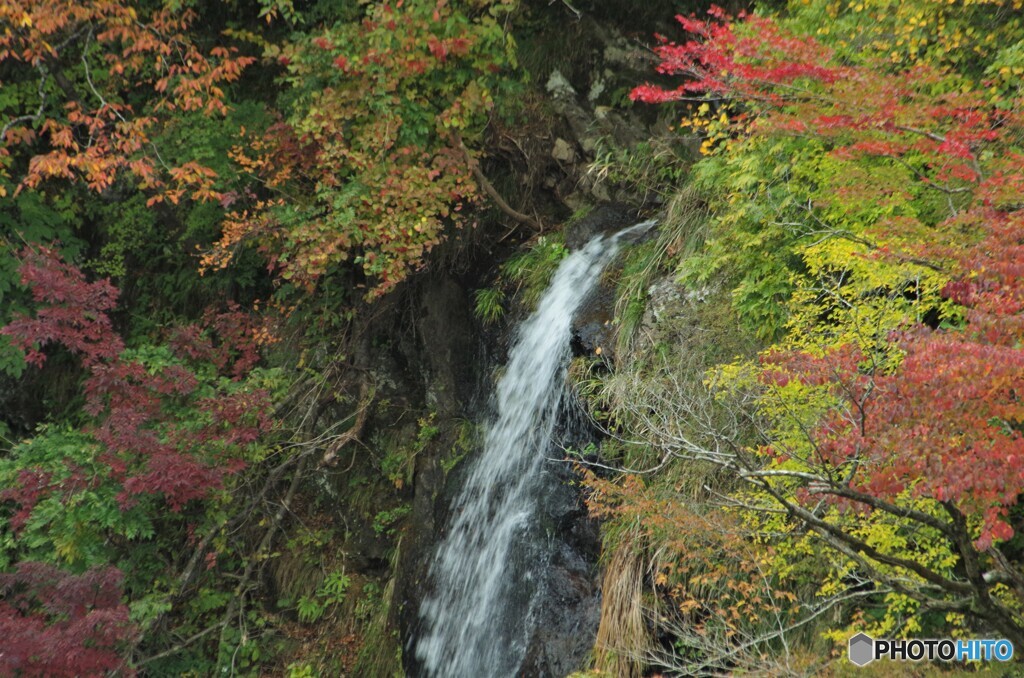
{"x": 622, "y": 636}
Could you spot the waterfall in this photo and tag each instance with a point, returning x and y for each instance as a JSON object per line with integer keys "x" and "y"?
{"x": 476, "y": 621}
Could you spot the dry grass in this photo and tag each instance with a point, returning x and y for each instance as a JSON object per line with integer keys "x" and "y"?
{"x": 296, "y": 574}
{"x": 622, "y": 635}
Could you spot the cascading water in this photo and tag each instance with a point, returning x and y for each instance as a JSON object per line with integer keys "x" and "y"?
{"x": 477, "y": 621}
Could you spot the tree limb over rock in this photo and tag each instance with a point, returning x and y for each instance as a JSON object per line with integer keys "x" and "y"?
{"x": 489, "y": 189}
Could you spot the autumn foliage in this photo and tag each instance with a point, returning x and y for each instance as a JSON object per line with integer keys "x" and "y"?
{"x": 223, "y": 164}
{"x": 164, "y": 436}
{"x": 952, "y": 408}
{"x": 88, "y": 125}
{"x": 378, "y": 146}
{"x": 873, "y": 204}
{"x": 145, "y": 451}
{"x": 74, "y": 312}
{"x": 57, "y": 624}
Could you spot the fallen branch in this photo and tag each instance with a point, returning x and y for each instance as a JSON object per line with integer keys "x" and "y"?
{"x": 366, "y": 395}
{"x": 474, "y": 167}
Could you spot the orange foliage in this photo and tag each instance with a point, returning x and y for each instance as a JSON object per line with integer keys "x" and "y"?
{"x": 96, "y": 53}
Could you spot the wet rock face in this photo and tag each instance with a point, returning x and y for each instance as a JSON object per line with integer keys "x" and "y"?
{"x": 447, "y": 333}
{"x": 571, "y": 605}
{"x": 605, "y": 218}
{"x": 594, "y": 329}
{"x": 565, "y": 615}
{"x": 447, "y": 362}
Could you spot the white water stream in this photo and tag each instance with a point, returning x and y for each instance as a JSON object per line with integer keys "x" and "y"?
{"x": 476, "y": 622}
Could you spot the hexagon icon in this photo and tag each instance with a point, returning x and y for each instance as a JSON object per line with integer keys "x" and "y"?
{"x": 862, "y": 649}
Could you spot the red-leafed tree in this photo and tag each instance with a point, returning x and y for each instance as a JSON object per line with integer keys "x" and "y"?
{"x": 165, "y": 432}
{"x": 73, "y": 312}
{"x": 145, "y": 450}
{"x": 57, "y": 624}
